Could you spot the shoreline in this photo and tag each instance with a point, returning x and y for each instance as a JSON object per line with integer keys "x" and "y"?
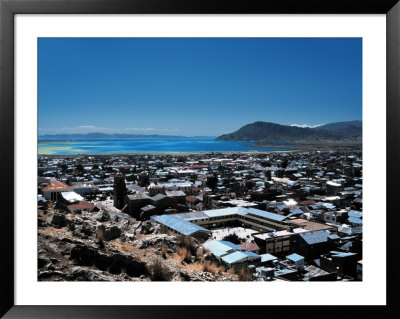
{"x": 172, "y": 153}
{"x": 269, "y": 149}
{"x": 303, "y": 150}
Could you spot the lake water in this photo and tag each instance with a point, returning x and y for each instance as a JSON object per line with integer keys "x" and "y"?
{"x": 143, "y": 145}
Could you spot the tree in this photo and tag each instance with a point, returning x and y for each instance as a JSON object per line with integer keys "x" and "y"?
{"x": 212, "y": 181}
{"x": 233, "y": 238}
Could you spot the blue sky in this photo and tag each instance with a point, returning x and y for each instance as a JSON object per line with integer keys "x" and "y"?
{"x": 194, "y": 86}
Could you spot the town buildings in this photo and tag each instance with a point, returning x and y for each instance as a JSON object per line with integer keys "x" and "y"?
{"x": 296, "y": 216}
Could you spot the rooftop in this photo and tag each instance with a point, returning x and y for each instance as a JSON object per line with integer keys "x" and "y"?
{"x": 309, "y": 225}
{"x": 57, "y": 186}
{"x": 295, "y": 257}
{"x": 267, "y": 257}
{"x": 315, "y": 237}
{"x": 220, "y": 248}
{"x": 72, "y": 197}
{"x": 179, "y": 224}
{"x": 239, "y": 256}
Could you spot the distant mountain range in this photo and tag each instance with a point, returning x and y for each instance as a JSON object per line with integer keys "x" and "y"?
{"x": 265, "y": 132}
{"x": 103, "y": 135}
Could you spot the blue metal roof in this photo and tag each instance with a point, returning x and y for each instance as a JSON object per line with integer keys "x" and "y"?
{"x": 295, "y": 257}
{"x": 329, "y": 206}
{"x": 251, "y": 254}
{"x": 220, "y": 247}
{"x": 243, "y": 212}
{"x": 222, "y": 212}
{"x": 267, "y": 215}
{"x": 180, "y": 225}
{"x": 340, "y": 254}
{"x": 315, "y": 237}
{"x": 355, "y": 220}
{"x": 355, "y": 213}
{"x": 238, "y": 256}
{"x": 296, "y": 211}
{"x": 231, "y": 245}
{"x": 267, "y": 257}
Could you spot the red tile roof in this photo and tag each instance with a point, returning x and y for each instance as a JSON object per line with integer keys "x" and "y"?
{"x": 191, "y": 199}
{"x": 57, "y": 186}
{"x": 309, "y": 225}
{"x": 307, "y": 202}
{"x": 81, "y": 205}
{"x": 250, "y": 246}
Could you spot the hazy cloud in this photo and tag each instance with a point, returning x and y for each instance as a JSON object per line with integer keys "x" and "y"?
{"x": 83, "y": 129}
{"x": 306, "y": 125}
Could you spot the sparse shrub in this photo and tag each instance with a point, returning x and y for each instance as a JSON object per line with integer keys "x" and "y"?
{"x": 158, "y": 271}
{"x": 231, "y": 271}
{"x": 169, "y": 232}
{"x": 100, "y": 238}
{"x": 200, "y": 254}
{"x": 163, "y": 252}
{"x": 188, "y": 243}
{"x": 185, "y": 254}
{"x": 209, "y": 267}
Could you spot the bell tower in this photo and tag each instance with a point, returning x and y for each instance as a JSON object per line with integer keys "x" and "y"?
{"x": 119, "y": 190}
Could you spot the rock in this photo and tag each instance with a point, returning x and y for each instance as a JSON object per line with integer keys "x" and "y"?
{"x": 123, "y": 224}
{"x": 42, "y": 223}
{"x": 147, "y": 227}
{"x": 122, "y": 216}
{"x": 154, "y": 241}
{"x": 83, "y": 255}
{"x": 115, "y": 263}
{"x": 78, "y": 220}
{"x": 87, "y": 229}
{"x": 71, "y": 226}
{"x": 109, "y": 233}
{"x": 52, "y": 273}
{"x": 78, "y": 234}
{"x": 69, "y": 240}
{"x": 102, "y": 216}
{"x": 130, "y": 237}
{"x": 84, "y": 274}
{"x": 59, "y": 220}
{"x": 43, "y": 261}
{"x": 112, "y": 232}
{"x": 184, "y": 276}
{"x": 211, "y": 258}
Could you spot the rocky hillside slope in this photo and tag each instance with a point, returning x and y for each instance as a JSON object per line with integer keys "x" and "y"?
{"x": 93, "y": 247}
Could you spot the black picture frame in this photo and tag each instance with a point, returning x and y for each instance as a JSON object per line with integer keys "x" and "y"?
{"x": 8, "y": 8}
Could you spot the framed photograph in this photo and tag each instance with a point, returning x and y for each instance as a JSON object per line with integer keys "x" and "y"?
{"x": 174, "y": 158}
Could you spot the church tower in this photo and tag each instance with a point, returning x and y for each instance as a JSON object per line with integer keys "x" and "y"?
{"x": 119, "y": 190}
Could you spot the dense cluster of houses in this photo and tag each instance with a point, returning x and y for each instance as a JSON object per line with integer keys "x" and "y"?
{"x": 294, "y": 216}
